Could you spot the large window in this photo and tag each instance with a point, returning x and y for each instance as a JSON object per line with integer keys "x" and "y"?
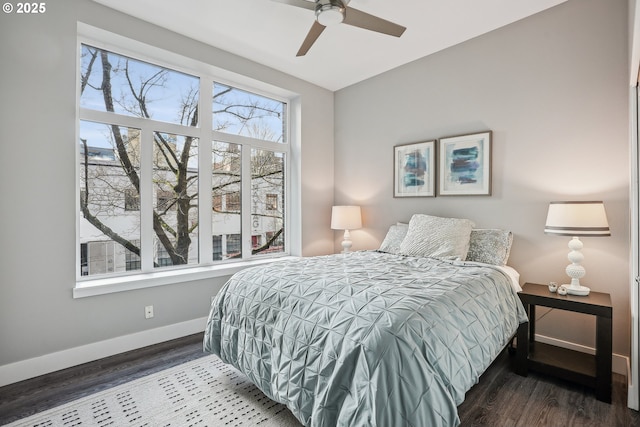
{"x": 176, "y": 168}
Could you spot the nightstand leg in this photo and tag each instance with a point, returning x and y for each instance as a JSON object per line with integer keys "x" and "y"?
{"x": 532, "y": 323}
{"x": 522, "y": 351}
{"x": 603, "y": 358}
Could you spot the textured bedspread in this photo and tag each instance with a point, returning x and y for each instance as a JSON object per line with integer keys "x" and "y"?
{"x": 366, "y": 339}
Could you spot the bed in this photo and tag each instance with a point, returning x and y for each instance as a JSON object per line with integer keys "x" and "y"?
{"x": 369, "y": 338}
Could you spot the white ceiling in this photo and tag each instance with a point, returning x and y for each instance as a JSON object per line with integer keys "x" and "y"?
{"x": 270, "y": 33}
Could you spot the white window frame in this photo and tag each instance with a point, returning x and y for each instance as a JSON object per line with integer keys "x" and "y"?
{"x": 148, "y": 276}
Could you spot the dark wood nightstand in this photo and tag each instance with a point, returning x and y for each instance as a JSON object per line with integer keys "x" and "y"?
{"x": 582, "y": 368}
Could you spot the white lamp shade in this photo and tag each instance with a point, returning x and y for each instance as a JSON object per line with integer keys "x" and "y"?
{"x": 346, "y": 218}
{"x": 577, "y": 219}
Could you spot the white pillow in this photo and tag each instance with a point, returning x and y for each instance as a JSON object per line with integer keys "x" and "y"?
{"x": 394, "y": 238}
{"x": 432, "y": 236}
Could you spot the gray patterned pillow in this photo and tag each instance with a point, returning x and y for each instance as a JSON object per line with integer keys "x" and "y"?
{"x": 394, "y": 237}
{"x": 432, "y": 236}
{"x": 491, "y": 246}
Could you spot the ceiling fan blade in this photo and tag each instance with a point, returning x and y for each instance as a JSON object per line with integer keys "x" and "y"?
{"x": 298, "y": 3}
{"x": 312, "y": 36}
{"x": 360, "y": 19}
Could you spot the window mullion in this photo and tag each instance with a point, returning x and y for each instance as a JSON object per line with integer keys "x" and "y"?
{"x": 287, "y": 202}
{"x": 205, "y": 177}
{"x": 147, "y": 248}
{"x": 246, "y": 201}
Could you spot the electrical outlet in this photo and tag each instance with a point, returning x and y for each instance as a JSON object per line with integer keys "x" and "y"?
{"x": 148, "y": 312}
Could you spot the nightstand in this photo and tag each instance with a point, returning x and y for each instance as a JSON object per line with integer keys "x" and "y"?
{"x": 582, "y": 368}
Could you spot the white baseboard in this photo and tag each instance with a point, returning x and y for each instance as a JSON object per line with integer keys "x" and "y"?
{"x": 52, "y": 362}
{"x": 620, "y": 363}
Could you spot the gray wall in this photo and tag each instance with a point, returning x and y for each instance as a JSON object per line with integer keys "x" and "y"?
{"x": 553, "y": 89}
{"x": 38, "y": 315}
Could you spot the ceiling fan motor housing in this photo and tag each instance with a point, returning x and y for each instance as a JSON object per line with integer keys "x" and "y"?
{"x": 330, "y": 12}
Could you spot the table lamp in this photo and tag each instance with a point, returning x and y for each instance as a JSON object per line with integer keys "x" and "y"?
{"x": 346, "y": 218}
{"x": 586, "y": 219}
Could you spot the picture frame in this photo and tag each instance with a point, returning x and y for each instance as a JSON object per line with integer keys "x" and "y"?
{"x": 465, "y": 165}
{"x": 414, "y": 169}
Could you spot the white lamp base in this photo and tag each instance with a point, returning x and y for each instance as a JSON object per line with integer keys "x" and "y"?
{"x": 575, "y": 270}
{"x": 346, "y": 243}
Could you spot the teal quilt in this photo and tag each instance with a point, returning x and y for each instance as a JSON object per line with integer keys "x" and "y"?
{"x": 367, "y": 338}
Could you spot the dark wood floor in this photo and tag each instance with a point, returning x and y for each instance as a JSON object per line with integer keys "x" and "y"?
{"x": 28, "y": 397}
{"x": 500, "y": 399}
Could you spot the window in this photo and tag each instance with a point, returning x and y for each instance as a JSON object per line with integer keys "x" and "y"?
{"x": 267, "y": 178}
{"x": 233, "y": 245}
{"x": 131, "y": 200}
{"x": 132, "y": 259}
{"x": 277, "y": 240}
{"x": 109, "y": 224}
{"x": 165, "y": 200}
{"x": 98, "y": 257}
{"x": 272, "y": 202}
{"x": 217, "y": 248}
{"x": 226, "y": 246}
{"x": 162, "y": 258}
{"x": 232, "y": 202}
{"x": 143, "y": 143}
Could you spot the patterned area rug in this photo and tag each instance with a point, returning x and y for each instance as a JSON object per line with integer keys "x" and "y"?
{"x": 203, "y": 392}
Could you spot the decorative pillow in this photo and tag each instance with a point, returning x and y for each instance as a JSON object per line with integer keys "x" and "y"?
{"x": 491, "y": 246}
{"x": 432, "y": 236}
{"x": 394, "y": 237}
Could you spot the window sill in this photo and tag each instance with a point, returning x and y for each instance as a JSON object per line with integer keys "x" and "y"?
{"x": 111, "y": 285}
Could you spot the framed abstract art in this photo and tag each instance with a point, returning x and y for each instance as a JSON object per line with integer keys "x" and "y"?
{"x": 465, "y": 165}
{"x": 414, "y": 169}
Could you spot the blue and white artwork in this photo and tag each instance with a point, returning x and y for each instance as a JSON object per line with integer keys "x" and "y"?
{"x": 465, "y": 165}
{"x": 414, "y": 170}
{"x": 415, "y": 167}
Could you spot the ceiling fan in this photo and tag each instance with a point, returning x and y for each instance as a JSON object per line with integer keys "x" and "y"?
{"x": 331, "y": 12}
